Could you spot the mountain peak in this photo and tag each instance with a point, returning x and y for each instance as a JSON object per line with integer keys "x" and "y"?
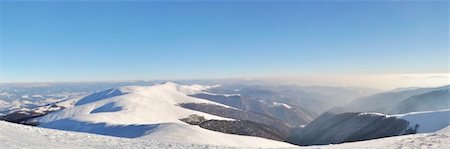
{"x": 169, "y": 83}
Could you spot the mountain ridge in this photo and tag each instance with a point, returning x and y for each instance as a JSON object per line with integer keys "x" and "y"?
{"x": 148, "y": 112}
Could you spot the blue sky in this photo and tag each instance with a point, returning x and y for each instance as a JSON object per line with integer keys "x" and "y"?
{"x": 88, "y": 41}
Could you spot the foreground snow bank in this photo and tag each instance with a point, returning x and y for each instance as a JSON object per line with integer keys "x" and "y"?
{"x": 438, "y": 140}
{"x": 20, "y": 136}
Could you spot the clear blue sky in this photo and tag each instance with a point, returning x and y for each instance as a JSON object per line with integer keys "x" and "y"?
{"x": 86, "y": 41}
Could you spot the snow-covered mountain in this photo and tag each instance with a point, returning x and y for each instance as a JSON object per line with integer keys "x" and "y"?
{"x": 211, "y": 116}
{"x": 332, "y": 128}
{"x": 15, "y": 136}
{"x": 23, "y": 115}
{"x": 18, "y": 136}
{"x": 147, "y": 112}
{"x": 26, "y": 96}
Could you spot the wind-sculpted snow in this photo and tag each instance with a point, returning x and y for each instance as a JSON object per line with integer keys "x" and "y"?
{"x": 147, "y": 112}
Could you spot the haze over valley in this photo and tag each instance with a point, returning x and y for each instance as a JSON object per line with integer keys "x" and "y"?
{"x": 224, "y": 74}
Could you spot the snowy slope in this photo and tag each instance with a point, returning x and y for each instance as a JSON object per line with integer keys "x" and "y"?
{"x": 14, "y": 136}
{"x": 146, "y": 112}
{"x": 437, "y": 140}
{"x": 19, "y": 136}
{"x": 133, "y": 105}
{"x": 446, "y": 130}
{"x": 428, "y": 121}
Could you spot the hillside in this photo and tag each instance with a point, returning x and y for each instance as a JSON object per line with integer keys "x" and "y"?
{"x": 21, "y": 136}
{"x": 147, "y": 112}
{"x": 17, "y": 136}
{"x": 332, "y": 128}
{"x": 403, "y": 101}
{"x": 438, "y": 140}
{"x": 292, "y": 115}
{"x": 427, "y": 121}
{"x": 434, "y": 100}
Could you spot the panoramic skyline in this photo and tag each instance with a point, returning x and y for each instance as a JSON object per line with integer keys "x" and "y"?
{"x": 98, "y": 41}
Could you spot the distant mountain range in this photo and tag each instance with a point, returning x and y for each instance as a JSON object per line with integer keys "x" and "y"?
{"x": 312, "y": 100}
{"x": 403, "y": 101}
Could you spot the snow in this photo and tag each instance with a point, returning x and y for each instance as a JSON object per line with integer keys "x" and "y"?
{"x": 177, "y": 133}
{"x": 373, "y": 113}
{"x": 436, "y": 140}
{"x": 69, "y": 102}
{"x": 147, "y": 112}
{"x": 282, "y": 105}
{"x": 6, "y": 94}
{"x": 66, "y": 100}
{"x": 137, "y": 104}
{"x": 3, "y": 104}
{"x": 189, "y": 90}
{"x": 13, "y": 105}
{"x": 20, "y": 136}
{"x": 14, "y": 136}
{"x": 225, "y": 95}
{"x": 148, "y": 117}
{"x": 446, "y": 130}
{"x": 37, "y": 96}
{"x": 428, "y": 121}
